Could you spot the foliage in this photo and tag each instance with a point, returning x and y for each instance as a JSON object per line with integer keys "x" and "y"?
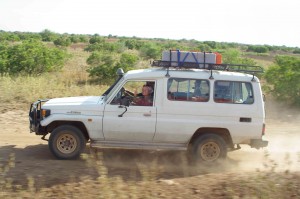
{"x": 133, "y": 44}
{"x": 150, "y": 50}
{"x": 204, "y": 47}
{"x": 96, "y": 39}
{"x": 30, "y": 57}
{"x": 62, "y": 41}
{"x": 296, "y": 51}
{"x": 100, "y": 44}
{"x": 104, "y": 65}
{"x": 284, "y": 79}
{"x": 258, "y": 49}
{"x": 233, "y": 56}
{"x": 47, "y": 35}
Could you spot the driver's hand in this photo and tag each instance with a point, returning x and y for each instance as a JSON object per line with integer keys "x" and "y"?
{"x": 135, "y": 92}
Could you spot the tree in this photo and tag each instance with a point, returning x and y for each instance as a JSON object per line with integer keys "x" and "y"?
{"x": 284, "y": 79}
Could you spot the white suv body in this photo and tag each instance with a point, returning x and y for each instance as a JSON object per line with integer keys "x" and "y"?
{"x": 206, "y": 125}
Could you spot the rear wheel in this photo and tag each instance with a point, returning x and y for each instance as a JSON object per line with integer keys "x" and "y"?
{"x": 209, "y": 148}
{"x": 66, "y": 142}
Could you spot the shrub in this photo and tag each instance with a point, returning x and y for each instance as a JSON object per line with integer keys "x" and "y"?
{"x": 150, "y": 51}
{"x": 258, "y": 49}
{"x": 30, "y": 57}
{"x": 47, "y": 35}
{"x": 284, "y": 79}
{"x": 96, "y": 39}
{"x": 104, "y": 65}
{"x": 62, "y": 41}
{"x": 133, "y": 44}
{"x": 233, "y": 56}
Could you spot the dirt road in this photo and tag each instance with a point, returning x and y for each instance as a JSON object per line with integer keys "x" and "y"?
{"x": 34, "y": 160}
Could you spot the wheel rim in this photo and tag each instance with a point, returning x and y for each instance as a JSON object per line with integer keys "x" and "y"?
{"x": 66, "y": 143}
{"x": 210, "y": 151}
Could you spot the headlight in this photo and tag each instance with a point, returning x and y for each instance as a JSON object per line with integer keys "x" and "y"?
{"x": 45, "y": 113}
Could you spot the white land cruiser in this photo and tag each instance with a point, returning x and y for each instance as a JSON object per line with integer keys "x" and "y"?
{"x": 205, "y": 112}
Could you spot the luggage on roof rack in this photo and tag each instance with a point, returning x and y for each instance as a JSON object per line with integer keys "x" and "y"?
{"x": 201, "y": 60}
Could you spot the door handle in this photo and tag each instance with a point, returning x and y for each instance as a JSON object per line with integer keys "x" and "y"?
{"x": 147, "y": 114}
{"x": 245, "y": 119}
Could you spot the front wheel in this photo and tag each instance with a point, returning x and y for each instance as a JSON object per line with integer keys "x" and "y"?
{"x": 209, "y": 148}
{"x": 66, "y": 142}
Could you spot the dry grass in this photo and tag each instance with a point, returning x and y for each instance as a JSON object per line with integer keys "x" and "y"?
{"x": 267, "y": 184}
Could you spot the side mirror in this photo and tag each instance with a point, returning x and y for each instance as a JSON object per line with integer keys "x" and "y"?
{"x": 125, "y": 101}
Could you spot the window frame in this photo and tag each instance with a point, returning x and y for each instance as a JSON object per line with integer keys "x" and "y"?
{"x": 188, "y": 92}
{"x": 231, "y": 100}
{"x": 135, "y": 80}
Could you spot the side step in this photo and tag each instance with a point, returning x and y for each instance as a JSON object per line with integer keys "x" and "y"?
{"x": 137, "y": 145}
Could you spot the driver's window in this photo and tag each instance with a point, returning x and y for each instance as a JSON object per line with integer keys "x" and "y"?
{"x": 139, "y": 93}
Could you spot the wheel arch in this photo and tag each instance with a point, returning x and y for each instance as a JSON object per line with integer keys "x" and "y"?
{"x": 222, "y": 132}
{"x": 78, "y": 124}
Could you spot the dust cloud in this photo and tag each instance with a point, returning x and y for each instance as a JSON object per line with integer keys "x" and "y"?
{"x": 283, "y": 151}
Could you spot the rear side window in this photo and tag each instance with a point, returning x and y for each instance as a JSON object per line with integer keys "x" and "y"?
{"x": 196, "y": 90}
{"x": 233, "y": 92}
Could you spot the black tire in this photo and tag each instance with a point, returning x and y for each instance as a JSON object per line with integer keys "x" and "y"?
{"x": 66, "y": 142}
{"x": 209, "y": 148}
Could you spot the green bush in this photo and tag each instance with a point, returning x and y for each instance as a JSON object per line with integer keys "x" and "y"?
{"x": 104, "y": 65}
{"x": 150, "y": 50}
{"x": 233, "y": 56}
{"x": 258, "y": 49}
{"x": 62, "y": 41}
{"x": 133, "y": 44}
{"x": 30, "y": 57}
{"x": 96, "y": 39}
{"x": 47, "y": 35}
{"x": 284, "y": 79}
{"x": 296, "y": 51}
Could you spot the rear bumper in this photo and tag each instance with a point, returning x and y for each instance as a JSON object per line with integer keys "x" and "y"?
{"x": 258, "y": 143}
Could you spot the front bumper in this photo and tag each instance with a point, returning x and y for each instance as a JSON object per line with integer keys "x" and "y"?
{"x": 258, "y": 143}
{"x": 35, "y": 117}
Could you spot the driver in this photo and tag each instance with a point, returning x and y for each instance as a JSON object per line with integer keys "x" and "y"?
{"x": 146, "y": 99}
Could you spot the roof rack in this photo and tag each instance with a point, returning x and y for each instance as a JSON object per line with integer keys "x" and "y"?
{"x": 222, "y": 67}
{"x": 209, "y": 60}
{"x": 249, "y": 69}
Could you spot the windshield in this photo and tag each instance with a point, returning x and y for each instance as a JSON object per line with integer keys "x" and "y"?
{"x": 112, "y": 88}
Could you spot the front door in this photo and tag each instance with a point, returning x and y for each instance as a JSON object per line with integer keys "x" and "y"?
{"x": 138, "y": 123}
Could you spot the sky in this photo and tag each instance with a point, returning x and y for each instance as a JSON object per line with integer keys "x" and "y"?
{"x": 272, "y": 22}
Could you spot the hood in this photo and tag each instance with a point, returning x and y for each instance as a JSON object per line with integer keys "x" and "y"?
{"x": 76, "y": 105}
{"x": 74, "y": 101}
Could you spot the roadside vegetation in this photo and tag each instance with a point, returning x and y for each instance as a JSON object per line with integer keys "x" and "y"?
{"x": 260, "y": 184}
{"x": 47, "y": 65}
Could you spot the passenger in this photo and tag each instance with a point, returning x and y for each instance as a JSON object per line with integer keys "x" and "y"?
{"x": 146, "y": 99}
